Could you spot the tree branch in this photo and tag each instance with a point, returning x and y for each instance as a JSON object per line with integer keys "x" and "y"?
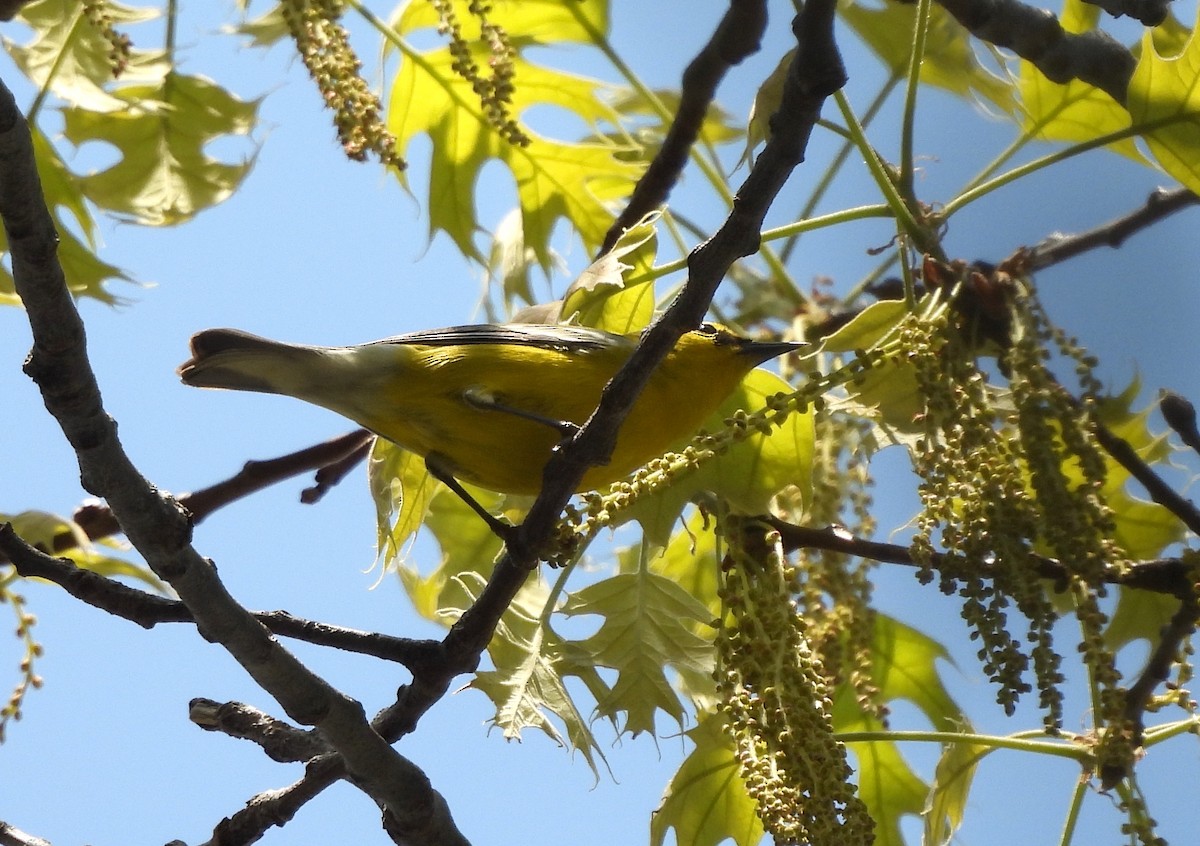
{"x": 148, "y": 610}
{"x": 1172, "y": 576}
{"x": 331, "y": 459}
{"x": 157, "y": 526}
{"x": 1035, "y": 35}
{"x": 10, "y": 836}
{"x": 815, "y": 73}
{"x": 1155, "y": 485}
{"x": 1166, "y": 654}
{"x": 279, "y": 740}
{"x": 1160, "y": 204}
{"x": 737, "y": 36}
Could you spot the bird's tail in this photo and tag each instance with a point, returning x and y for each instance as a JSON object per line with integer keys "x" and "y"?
{"x": 239, "y": 361}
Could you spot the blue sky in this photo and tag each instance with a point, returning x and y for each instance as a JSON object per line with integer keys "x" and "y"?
{"x": 321, "y": 250}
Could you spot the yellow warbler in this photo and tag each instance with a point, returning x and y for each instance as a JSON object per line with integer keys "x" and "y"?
{"x": 487, "y": 404}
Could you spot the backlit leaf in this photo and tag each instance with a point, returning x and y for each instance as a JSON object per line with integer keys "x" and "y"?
{"x": 647, "y": 627}
{"x": 706, "y": 801}
{"x": 164, "y": 175}
{"x": 554, "y": 179}
{"x": 70, "y": 56}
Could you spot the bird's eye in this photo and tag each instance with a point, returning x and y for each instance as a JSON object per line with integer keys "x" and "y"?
{"x": 707, "y": 329}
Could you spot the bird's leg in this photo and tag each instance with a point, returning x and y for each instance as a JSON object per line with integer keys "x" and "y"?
{"x": 487, "y": 402}
{"x": 507, "y": 532}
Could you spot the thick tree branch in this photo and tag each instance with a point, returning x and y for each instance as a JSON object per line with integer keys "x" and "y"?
{"x": 737, "y": 36}
{"x": 1035, "y": 35}
{"x": 157, "y": 526}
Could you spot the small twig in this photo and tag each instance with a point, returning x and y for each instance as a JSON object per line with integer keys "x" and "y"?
{"x": 280, "y": 741}
{"x": 1161, "y": 660}
{"x": 1180, "y": 415}
{"x": 1172, "y": 576}
{"x": 342, "y": 453}
{"x": 1160, "y": 204}
{"x": 737, "y": 36}
{"x": 1159, "y": 490}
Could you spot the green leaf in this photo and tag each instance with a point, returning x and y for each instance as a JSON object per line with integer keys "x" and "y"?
{"x": 85, "y": 273}
{"x": 600, "y": 298}
{"x": 949, "y": 61}
{"x": 648, "y": 626}
{"x": 706, "y": 801}
{"x": 905, "y": 668}
{"x": 527, "y": 683}
{"x": 401, "y": 488}
{"x": 40, "y": 528}
{"x": 469, "y": 548}
{"x": 554, "y": 179}
{"x": 267, "y": 29}
{"x": 1140, "y": 615}
{"x": 164, "y": 176}
{"x": 70, "y": 56}
{"x": 690, "y": 561}
{"x": 887, "y": 392}
{"x": 750, "y": 473}
{"x": 952, "y": 779}
{"x": 1164, "y": 93}
{"x": 1076, "y": 111}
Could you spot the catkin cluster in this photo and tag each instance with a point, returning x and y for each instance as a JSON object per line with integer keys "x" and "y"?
{"x": 325, "y": 49}
{"x": 776, "y": 700}
{"x": 1005, "y": 474}
{"x": 29, "y": 679}
{"x": 835, "y": 588}
{"x": 495, "y": 92}
{"x": 99, "y": 16}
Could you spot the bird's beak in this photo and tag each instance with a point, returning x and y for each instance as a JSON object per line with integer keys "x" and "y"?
{"x": 762, "y": 351}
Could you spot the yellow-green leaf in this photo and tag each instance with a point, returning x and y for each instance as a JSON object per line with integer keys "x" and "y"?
{"x": 1075, "y": 111}
{"x": 527, "y": 684}
{"x": 600, "y": 298}
{"x": 648, "y": 626}
{"x": 949, "y": 61}
{"x": 71, "y": 57}
{"x": 905, "y": 667}
{"x": 1165, "y": 95}
{"x": 554, "y": 179}
{"x": 706, "y": 801}
{"x": 40, "y": 528}
{"x": 164, "y": 175}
